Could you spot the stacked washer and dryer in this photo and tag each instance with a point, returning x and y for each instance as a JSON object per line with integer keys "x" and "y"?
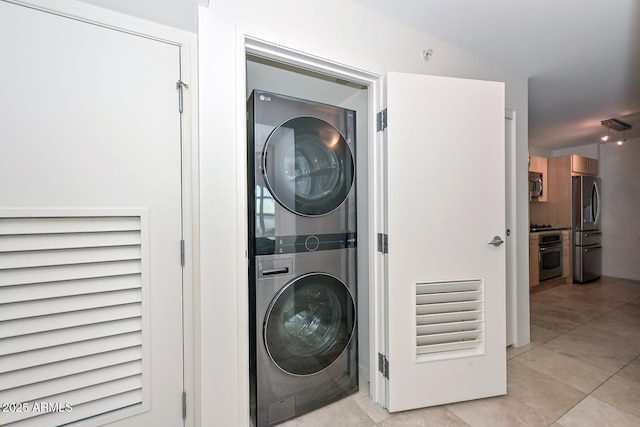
{"x": 302, "y": 260}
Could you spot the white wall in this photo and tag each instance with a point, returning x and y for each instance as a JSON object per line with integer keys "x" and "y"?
{"x": 590, "y": 150}
{"x": 620, "y": 176}
{"x": 335, "y": 30}
{"x": 540, "y": 152}
{"x": 182, "y": 14}
{"x": 286, "y": 80}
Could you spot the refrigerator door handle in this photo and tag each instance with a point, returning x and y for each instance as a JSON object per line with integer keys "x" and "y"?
{"x": 595, "y": 203}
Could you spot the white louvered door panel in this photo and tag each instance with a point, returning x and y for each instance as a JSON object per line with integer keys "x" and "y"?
{"x": 90, "y": 219}
{"x": 64, "y": 299}
{"x": 445, "y": 200}
{"x": 449, "y": 317}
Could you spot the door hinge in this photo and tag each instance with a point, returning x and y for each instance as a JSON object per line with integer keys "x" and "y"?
{"x": 383, "y": 243}
{"x": 182, "y": 253}
{"x": 383, "y": 365}
{"x": 381, "y": 120}
{"x": 184, "y": 405}
{"x": 180, "y": 85}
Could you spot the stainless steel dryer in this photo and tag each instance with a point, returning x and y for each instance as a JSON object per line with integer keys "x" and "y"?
{"x": 302, "y": 256}
{"x": 302, "y": 173}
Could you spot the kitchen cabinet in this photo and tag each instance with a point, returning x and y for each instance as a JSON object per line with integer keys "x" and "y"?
{"x": 539, "y": 164}
{"x": 559, "y": 191}
{"x": 534, "y": 274}
{"x": 560, "y": 170}
{"x": 583, "y": 165}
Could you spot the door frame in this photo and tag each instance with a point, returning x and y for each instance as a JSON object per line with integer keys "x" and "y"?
{"x": 511, "y": 231}
{"x": 187, "y": 44}
{"x": 256, "y": 46}
{"x": 249, "y": 43}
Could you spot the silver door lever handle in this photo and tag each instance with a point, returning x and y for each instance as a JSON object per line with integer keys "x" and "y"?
{"x": 496, "y": 241}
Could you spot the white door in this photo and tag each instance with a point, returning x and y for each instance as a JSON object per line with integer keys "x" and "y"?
{"x": 445, "y": 202}
{"x": 90, "y": 224}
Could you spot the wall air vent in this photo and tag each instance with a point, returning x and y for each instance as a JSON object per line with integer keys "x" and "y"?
{"x": 449, "y": 318}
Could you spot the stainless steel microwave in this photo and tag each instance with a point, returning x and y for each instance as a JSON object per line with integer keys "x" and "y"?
{"x": 536, "y": 186}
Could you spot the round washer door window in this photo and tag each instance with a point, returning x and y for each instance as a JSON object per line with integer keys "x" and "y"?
{"x": 308, "y": 166}
{"x": 309, "y": 324}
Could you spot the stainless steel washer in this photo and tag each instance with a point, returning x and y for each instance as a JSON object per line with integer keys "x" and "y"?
{"x": 306, "y": 353}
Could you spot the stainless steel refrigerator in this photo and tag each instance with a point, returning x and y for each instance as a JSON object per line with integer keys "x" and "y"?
{"x": 587, "y": 239}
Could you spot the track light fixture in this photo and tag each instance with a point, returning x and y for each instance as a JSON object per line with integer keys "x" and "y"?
{"x": 617, "y": 125}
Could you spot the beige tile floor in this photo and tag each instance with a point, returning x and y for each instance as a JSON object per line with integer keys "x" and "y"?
{"x": 582, "y": 368}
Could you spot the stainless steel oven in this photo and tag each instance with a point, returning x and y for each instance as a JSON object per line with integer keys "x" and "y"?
{"x": 550, "y": 256}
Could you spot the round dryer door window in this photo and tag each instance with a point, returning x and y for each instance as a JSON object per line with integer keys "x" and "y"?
{"x": 309, "y": 324}
{"x": 308, "y": 166}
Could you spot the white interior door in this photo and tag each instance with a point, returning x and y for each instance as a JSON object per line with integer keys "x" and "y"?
{"x": 90, "y": 224}
{"x": 445, "y": 202}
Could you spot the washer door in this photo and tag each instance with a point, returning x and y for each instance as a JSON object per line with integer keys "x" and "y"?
{"x": 308, "y": 166}
{"x": 309, "y": 324}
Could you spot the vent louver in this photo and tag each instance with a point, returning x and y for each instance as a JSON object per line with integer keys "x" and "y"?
{"x": 449, "y": 317}
{"x": 73, "y": 315}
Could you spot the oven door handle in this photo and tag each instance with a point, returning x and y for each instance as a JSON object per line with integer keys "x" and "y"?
{"x": 554, "y": 247}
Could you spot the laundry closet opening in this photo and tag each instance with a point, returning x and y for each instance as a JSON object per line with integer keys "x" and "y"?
{"x": 264, "y": 74}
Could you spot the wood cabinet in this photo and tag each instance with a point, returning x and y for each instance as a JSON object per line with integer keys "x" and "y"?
{"x": 560, "y": 170}
{"x": 539, "y": 164}
{"x": 558, "y": 209}
{"x": 583, "y": 165}
{"x": 534, "y": 273}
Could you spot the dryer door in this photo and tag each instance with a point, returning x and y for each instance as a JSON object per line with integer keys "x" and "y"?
{"x": 309, "y": 324}
{"x": 308, "y": 166}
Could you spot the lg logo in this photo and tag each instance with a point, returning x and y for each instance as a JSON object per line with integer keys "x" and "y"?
{"x": 265, "y": 98}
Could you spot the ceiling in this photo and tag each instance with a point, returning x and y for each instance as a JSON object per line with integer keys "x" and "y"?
{"x": 582, "y": 57}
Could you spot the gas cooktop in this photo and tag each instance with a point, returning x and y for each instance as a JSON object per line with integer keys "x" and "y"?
{"x": 545, "y": 227}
